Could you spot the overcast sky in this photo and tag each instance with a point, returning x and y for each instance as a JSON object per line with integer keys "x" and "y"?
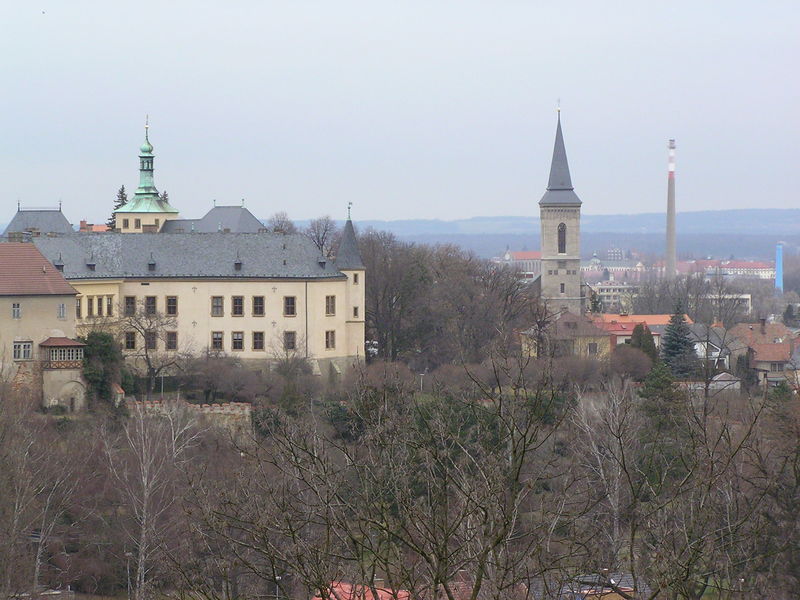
{"x": 428, "y": 109}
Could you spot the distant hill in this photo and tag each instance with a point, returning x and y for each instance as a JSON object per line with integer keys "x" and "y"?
{"x": 747, "y": 221}
{"x": 748, "y": 233}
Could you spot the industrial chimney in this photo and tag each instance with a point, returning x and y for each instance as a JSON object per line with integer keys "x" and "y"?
{"x": 669, "y": 263}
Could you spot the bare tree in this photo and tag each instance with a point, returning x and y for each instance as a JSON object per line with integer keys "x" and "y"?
{"x": 143, "y": 461}
{"x": 325, "y": 235}
{"x": 151, "y": 330}
{"x": 280, "y": 223}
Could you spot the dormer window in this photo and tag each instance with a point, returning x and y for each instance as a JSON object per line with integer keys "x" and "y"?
{"x": 237, "y": 266}
{"x": 151, "y": 266}
{"x": 91, "y": 265}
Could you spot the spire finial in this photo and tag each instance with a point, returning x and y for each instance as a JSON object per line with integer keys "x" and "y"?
{"x": 146, "y": 127}
{"x": 558, "y": 107}
{"x": 349, "y": 206}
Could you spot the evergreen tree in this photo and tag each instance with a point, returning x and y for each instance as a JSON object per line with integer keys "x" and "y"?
{"x": 595, "y": 304}
{"x": 788, "y": 315}
{"x": 665, "y": 432}
{"x": 642, "y": 339}
{"x": 677, "y": 347}
{"x": 122, "y": 200}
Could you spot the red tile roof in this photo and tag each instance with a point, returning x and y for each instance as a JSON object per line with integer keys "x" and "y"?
{"x": 24, "y": 271}
{"x": 525, "y": 255}
{"x": 781, "y": 352}
{"x": 649, "y": 320}
{"x": 341, "y": 590}
{"x": 62, "y": 342}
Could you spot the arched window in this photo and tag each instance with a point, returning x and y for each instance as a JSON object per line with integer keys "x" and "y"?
{"x": 562, "y": 238}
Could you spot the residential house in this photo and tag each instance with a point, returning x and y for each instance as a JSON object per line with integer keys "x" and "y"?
{"x": 569, "y": 335}
{"x": 775, "y": 363}
{"x": 39, "y": 356}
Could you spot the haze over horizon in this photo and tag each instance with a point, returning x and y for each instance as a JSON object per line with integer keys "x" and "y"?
{"x": 417, "y": 111}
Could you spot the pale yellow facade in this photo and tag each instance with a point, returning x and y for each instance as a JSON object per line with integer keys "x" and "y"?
{"x": 33, "y": 319}
{"x": 225, "y": 315}
{"x": 142, "y": 222}
{"x": 27, "y": 368}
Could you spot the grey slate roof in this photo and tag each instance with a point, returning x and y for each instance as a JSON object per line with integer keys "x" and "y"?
{"x": 44, "y": 221}
{"x": 234, "y": 219}
{"x": 118, "y": 255}
{"x": 559, "y": 188}
{"x": 347, "y": 256}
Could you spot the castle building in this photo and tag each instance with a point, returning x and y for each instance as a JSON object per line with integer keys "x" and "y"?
{"x": 560, "y": 217}
{"x": 221, "y": 284}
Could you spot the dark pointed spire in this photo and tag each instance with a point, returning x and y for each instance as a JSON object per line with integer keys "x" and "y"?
{"x": 348, "y": 257}
{"x": 559, "y": 187}
{"x": 559, "y": 168}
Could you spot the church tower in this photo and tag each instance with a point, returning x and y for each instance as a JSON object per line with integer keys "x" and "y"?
{"x": 560, "y": 217}
{"x": 146, "y": 212}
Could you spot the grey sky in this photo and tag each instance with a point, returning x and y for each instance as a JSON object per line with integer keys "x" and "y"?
{"x": 408, "y": 109}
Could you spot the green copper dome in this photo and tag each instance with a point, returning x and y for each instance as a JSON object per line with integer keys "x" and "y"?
{"x": 147, "y": 147}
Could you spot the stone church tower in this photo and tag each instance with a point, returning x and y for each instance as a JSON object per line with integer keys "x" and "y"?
{"x": 560, "y": 216}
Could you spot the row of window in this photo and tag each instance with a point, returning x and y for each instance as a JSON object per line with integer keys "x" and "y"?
{"x": 95, "y": 306}
{"x": 257, "y": 306}
{"x": 24, "y": 351}
{"x": 137, "y": 223}
{"x": 566, "y": 272}
{"x": 16, "y": 310}
{"x": 57, "y": 354}
{"x": 237, "y": 340}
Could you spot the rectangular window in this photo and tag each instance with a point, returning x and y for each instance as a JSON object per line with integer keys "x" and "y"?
{"x": 62, "y": 311}
{"x": 592, "y": 348}
{"x": 110, "y": 306}
{"x": 330, "y": 305}
{"x": 130, "y": 340}
{"x": 330, "y": 340}
{"x": 130, "y": 306}
{"x": 258, "y": 306}
{"x": 289, "y": 306}
{"x": 149, "y": 305}
{"x": 137, "y": 223}
{"x": 90, "y": 306}
{"x": 125, "y": 223}
{"x": 216, "y": 340}
{"x": 562, "y": 288}
{"x": 355, "y": 278}
{"x": 355, "y": 312}
{"x": 150, "y": 340}
{"x": 23, "y": 350}
{"x": 237, "y": 340}
{"x": 157, "y": 223}
{"x": 99, "y": 306}
{"x": 237, "y": 306}
{"x": 258, "y": 340}
{"x": 16, "y": 311}
{"x": 217, "y": 306}
{"x": 77, "y": 308}
{"x": 172, "y": 305}
{"x": 289, "y": 340}
{"x": 172, "y": 340}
